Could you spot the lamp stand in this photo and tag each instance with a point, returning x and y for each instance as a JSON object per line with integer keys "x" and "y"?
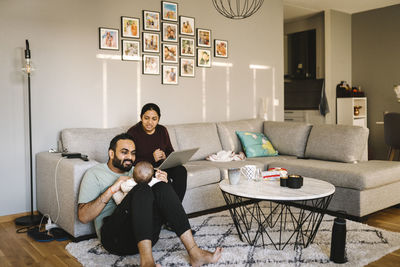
{"x": 31, "y": 219}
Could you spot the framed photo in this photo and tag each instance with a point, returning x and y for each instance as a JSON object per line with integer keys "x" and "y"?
{"x": 130, "y": 50}
{"x": 151, "y": 64}
{"x": 203, "y": 38}
{"x": 220, "y": 48}
{"x": 130, "y": 27}
{"x": 187, "y": 47}
{"x": 203, "y": 58}
{"x": 170, "y": 32}
{"x": 169, "y": 11}
{"x": 108, "y": 39}
{"x": 170, "y": 53}
{"x": 151, "y": 42}
{"x": 187, "y": 67}
{"x": 186, "y": 25}
{"x": 151, "y": 20}
{"x": 169, "y": 74}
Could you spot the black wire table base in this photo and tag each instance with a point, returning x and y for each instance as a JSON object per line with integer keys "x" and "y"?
{"x": 277, "y": 223}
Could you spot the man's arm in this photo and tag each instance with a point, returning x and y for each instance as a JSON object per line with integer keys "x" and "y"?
{"x": 87, "y": 212}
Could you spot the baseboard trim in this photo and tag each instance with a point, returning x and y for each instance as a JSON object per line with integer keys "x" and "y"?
{"x": 12, "y": 217}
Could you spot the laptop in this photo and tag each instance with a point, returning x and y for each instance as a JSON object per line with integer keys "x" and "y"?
{"x": 177, "y": 158}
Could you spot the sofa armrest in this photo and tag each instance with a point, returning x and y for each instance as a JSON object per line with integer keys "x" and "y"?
{"x": 66, "y": 181}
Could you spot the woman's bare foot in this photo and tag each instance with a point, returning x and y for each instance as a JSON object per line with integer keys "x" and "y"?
{"x": 200, "y": 257}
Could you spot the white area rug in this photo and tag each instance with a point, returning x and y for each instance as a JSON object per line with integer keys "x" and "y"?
{"x": 365, "y": 244}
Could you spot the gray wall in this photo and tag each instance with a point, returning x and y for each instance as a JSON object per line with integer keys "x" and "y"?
{"x": 72, "y": 87}
{"x": 376, "y": 67}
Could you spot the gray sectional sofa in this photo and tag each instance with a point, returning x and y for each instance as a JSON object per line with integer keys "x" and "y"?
{"x": 332, "y": 153}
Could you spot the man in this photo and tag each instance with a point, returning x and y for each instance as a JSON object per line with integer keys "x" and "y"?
{"x": 134, "y": 225}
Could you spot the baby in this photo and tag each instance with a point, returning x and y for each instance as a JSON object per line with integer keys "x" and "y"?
{"x": 142, "y": 173}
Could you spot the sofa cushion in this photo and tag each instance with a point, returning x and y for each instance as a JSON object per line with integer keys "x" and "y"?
{"x": 93, "y": 142}
{"x": 360, "y": 176}
{"x": 198, "y": 175}
{"x": 224, "y": 166}
{"x": 337, "y": 142}
{"x": 256, "y": 144}
{"x": 172, "y": 136}
{"x": 201, "y": 135}
{"x": 289, "y": 138}
{"x": 227, "y": 132}
{"x": 267, "y": 160}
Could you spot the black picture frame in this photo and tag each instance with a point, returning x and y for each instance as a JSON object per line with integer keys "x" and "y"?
{"x": 221, "y": 48}
{"x": 203, "y": 37}
{"x": 169, "y": 30}
{"x": 187, "y": 69}
{"x": 151, "y": 20}
{"x": 169, "y": 74}
{"x": 149, "y": 44}
{"x": 168, "y": 13}
{"x": 151, "y": 64}
{"x": 108, "y": 38}
{"x": 187, "y": 30}
{"x": 134, "y": 32}
{"x": 202, "y": 60}
{"x": 187, "y": 47}
{"x": 130, "y": 50}
{"x": 171, "y": 55}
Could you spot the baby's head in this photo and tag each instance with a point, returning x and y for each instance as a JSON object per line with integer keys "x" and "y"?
{"x": 143, "y": 172}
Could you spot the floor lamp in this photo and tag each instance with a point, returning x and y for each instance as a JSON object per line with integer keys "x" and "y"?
{"x": 31, "y": 219}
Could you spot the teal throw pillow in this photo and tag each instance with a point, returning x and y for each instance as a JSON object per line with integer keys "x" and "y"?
{"x": 256, "y": 144}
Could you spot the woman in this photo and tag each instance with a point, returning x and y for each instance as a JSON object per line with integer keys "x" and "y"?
{"x": 153, "y": 145}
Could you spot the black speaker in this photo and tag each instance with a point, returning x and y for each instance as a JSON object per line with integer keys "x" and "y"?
{"x": 338, "y": 242}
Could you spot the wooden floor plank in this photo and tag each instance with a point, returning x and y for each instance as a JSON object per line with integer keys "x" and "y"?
{"x": 21, "y": 250}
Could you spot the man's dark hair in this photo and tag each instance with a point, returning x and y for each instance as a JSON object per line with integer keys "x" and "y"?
{"x": 150, "y": 106}
{"x": 123, "y": 136}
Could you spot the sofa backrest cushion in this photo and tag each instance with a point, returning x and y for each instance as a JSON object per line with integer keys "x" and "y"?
{"x": 201, "y": 135}
{"x": 93, "y": 142}
{"x": 172, "y": 136}
{"x": 227, "y": 132}
{"x": 289, "y": 138}
{"x": 337, "y": 143}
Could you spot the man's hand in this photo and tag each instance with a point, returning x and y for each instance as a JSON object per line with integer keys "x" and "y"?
{"x": 162, "y": 176}
{"x": 158, "y": 155}
{"x": 117, "y": 185}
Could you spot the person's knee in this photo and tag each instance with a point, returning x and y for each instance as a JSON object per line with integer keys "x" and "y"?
{"x": 142, "y": 192}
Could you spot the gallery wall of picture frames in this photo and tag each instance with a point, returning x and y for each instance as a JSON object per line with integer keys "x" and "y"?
{"x": 169, "y": 43}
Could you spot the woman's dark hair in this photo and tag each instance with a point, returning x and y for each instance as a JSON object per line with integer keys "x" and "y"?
{"x": 150, "y": 106}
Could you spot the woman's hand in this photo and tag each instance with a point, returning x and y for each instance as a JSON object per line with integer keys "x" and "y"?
{"x": 162, "y": 176}
{"x": 158, "y": 155}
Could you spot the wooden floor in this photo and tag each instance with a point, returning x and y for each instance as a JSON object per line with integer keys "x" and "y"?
{"x": 20, "y": 250}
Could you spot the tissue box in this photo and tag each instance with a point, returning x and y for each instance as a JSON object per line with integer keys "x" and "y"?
{"x": 274, "y": 174}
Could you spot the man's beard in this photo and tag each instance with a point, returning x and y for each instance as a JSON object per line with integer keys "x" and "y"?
{"x": 119, "y": 164}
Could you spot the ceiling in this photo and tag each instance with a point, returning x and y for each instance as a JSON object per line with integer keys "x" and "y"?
{"x": 296, "y": 9}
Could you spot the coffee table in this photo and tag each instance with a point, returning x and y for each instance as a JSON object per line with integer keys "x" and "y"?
{"x": 278, "y": 215}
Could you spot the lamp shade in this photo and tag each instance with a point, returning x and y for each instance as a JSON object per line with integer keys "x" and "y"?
{"x": 396, "y": 89}
{"x": 237, "y": 9}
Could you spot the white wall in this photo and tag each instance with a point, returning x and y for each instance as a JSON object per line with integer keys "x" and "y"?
{"x": 337, "y": 56}
{"x": 73, "y": 88}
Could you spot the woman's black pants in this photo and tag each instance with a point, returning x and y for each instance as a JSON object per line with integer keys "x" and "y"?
{"x": 177, "y": 176}
{"x": 139, "y": 217}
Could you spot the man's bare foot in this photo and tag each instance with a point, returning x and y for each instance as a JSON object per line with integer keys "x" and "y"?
{"x": 200, "y": 257}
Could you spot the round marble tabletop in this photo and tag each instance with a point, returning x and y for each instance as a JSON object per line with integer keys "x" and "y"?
{"x": 271, "y": 190}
